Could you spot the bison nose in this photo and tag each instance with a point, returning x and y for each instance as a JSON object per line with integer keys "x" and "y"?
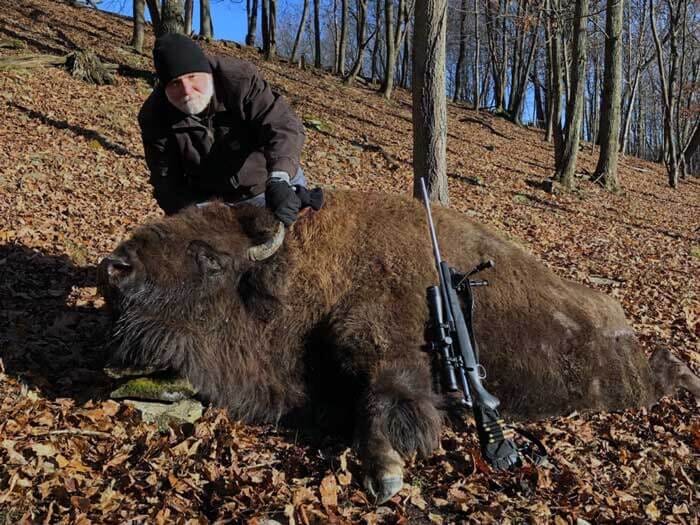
{"x": 117, "y": 268}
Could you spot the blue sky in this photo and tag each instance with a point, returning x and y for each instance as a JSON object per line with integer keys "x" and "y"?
{"x": 229, "y": 16}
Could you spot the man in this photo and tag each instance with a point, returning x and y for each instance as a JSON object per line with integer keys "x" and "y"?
{"x": 213, "y": 128}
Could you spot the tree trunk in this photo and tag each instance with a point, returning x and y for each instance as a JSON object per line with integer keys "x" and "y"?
{"x": 300, "y": 31}
{"x": 642, "y": 64}
{"x": 406, "y": 61}
{"x": 522, "y": 73}
{"x": 271, "y": 47}
{"x": 668, "y": 83}
{"x": 343, "y": 37}
{"x": 628, "y": 114}
{"x": 462, "y": 51}
{"x": 477, "y": 45}
{"x": 172, "y": 17}
{"x": 264, "y": 25}
{"x": 429, "y": 101}
{"x": 154, "y": 11}
{"x": 377, "y": 31}
{"x": 556, "y": 84}
{"x": 336, "y": 37}
{"x": 189, "y": 7}
{"x": 317, "y": 35}
{"x": 390, "y": 49}
{"x": 253, "y": 22}
{"x": 361, "y": 42}
{"x": 593, "y": 104}
{"x": 540, "y": 101}
{"x": 574, "y": 108}
{"x": 137, "y": 35}
{"x": 497, "y": 50}
{"x": 612, "y": 94}
{"x": 206, "y": 28}
{"x": 395, "y": 31}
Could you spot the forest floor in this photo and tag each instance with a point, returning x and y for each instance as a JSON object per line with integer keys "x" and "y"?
{"x": 73, "y": 183}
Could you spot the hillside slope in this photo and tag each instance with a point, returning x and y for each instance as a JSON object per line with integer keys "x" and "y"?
{"x": 73, "y": 183}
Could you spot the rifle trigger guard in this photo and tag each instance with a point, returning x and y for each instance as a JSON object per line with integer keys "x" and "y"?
{"x": 481, "y": 371}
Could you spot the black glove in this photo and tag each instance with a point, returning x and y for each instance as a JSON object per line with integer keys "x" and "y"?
{"x": 281, "y": 198}
{"x": 313, "y": 198}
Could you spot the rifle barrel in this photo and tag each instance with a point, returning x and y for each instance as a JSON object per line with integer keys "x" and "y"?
{"x": 433, "y": 236}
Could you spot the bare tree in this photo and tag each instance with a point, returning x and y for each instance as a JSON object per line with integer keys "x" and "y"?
{"x": 269, "y": 23}
{"x": 462, "y": 51}
{"x": 429, "y": 101}
{"x": 668, "y": 86}
{"x": 406, "y": 58}
{"x": 477, "y": 62}
{"x": 377, "y": 40}
{"x": 388, "y": 83}
{"x": 643, "y": 62}
{"x": 343, "y": 40}
{"x": 189, "y": 8}
{"x": 556, "y": 89}
{"x": 361, "y": 41}
{"x": 154, "y": 11}
{"x": 317, "y": 35}
{"x": 574, "y": 108}
{"x": 300, "y": 31}
{"x": 206, "y": 28}
{"x": 395, "y": 32}
{"x": 522, "y": 62}
{"x": 252, "y": 12}
{"x": 496, "y": 33}
{"x": 137, "y": 35}
{"x": 612, "y": 94}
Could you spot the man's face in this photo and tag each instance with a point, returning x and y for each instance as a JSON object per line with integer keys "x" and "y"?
{"x": 190, "y": 93}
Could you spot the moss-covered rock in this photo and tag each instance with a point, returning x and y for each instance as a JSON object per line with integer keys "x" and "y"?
{"x": 155, "y": 388}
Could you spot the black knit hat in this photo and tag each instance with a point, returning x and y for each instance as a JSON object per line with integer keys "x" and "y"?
{"x": 175, "y": 55}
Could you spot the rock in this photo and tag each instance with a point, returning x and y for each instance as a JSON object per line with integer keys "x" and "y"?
{"x": 168, "y": 389}
{"x": 317, "y": 124}
{"x": 185, "y": 411}
{"x": 604, "y": 280}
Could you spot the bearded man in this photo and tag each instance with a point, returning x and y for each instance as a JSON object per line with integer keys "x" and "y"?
{"x": 213, "y": 129}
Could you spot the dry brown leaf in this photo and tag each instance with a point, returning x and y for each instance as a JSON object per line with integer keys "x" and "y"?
{"x": 329, "y": 491}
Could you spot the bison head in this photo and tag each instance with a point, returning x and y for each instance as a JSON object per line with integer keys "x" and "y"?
{"x": 181, "y": 282}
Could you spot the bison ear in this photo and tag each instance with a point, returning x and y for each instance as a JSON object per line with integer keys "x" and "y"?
{"x": 208, "y": 260}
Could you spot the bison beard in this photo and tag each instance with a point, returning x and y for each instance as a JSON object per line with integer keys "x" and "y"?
{"x": 338, "y": 313}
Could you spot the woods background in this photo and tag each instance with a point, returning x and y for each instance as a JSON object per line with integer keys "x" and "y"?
{"x": 619, "y": 73}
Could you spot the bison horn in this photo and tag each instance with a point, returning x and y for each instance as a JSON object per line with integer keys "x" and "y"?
{"x": 260, "y": 252}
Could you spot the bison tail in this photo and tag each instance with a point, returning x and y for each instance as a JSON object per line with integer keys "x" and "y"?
{"x": 670, "y": 374}
{"x": 401, "y": 407}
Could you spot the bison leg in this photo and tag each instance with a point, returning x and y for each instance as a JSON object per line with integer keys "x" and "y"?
{"x": 397, "y": 417}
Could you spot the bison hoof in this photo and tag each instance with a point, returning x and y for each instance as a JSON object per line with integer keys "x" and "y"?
{"x": 382, "y": 489}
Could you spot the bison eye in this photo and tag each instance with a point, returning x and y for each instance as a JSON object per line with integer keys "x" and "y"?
{"x": 117, "y": 269}
{"x": 208, "y": 260}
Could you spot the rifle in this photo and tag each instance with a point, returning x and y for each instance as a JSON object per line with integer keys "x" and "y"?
{"x": 453, "y": 338}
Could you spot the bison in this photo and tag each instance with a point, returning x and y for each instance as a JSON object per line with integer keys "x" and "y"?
{"x": 334, "y": 313}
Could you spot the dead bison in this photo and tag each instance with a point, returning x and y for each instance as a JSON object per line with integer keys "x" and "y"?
{"x": 337, "y": 312}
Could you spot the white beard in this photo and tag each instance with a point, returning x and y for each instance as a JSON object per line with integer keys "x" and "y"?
{"x": 194, "y": 104}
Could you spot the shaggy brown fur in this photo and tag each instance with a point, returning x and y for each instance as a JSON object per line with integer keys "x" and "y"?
{"x": 341, "y": 306}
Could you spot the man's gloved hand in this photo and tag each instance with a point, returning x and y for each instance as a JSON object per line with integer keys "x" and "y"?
{"x": 281, "y": 198}
{"x": 313, "y": 198}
